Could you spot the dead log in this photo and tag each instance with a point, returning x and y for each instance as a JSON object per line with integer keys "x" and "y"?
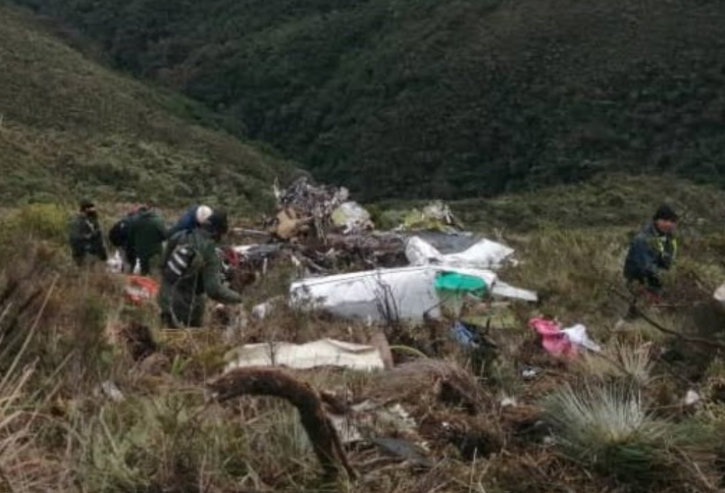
{"x": 275, "y": 382}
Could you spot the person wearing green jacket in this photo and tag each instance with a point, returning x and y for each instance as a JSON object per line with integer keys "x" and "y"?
{"x": 146, "y": 235}
{"x": 85, "y": 236}
{"x": 191, "y": 272}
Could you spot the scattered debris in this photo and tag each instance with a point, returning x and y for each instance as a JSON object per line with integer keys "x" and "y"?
{"x": 346, "y": 430}
{"x": 503, "y": 290}
{"x": 436, "y": 216}
{"x": 403, "y": 293}
{"x": 560, "y": 342}
{"x": 507, "y": 401}
{"x": 692, "y": 398}
{"x": 290, "y": 225}
{"x": 484, "y": 254}
{"x": 579, "y": 337}
{"x": 451, "y": 242}
{"x": 471, "y": 337}
{"x": 325, "y": 352}
{"x": 304, "y": 207}
{"x": 351, "y": 217}
{"x": 464, "y": 336}
{"x": 530, "y": 372}
{"x": 262, "y": 310}
{"x": 111, "y": 390}
{"x": 140, "y": 289}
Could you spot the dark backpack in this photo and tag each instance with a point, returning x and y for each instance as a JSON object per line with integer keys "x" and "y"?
{"x": 118, "y": 234}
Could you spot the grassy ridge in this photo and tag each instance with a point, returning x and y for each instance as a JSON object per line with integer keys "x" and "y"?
{"x": 618, "y": 201}
{"x": 70, "y": 127}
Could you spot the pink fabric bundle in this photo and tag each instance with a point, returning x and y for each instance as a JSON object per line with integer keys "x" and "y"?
{"x": 553, "y": 340}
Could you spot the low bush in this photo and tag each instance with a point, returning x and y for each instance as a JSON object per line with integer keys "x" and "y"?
{"x": 607, "y": 427}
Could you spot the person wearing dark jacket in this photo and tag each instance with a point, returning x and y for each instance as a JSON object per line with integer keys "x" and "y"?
{"x": 652, "y": 250}
{"x": 195, "y": 216}
{"x": 119, "y": 237}
{"x": 146, "y": 234}
{"x": 85, "y": 236}
{"x": 192, "y": 272}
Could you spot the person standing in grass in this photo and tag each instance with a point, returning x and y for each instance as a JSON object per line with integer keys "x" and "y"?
{"x": 653, "y": 250}
{"x": 146, "y": 234}
{"x": 85, "y": 236}
{"x": 191, "y": 272}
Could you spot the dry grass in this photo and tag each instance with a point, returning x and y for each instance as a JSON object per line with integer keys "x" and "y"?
{"x": 165, "y": 436}
{"x": 622, "y": 359}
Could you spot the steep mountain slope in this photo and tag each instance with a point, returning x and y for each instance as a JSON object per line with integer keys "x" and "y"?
{"x": 70, "y": 127}
{"x": 458, "y": 98}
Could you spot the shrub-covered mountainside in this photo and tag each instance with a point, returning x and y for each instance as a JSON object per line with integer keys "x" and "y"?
{"x": 69, "y": 127}
{"x": 456, "y": 98}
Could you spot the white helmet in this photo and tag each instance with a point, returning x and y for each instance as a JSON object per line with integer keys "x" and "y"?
{"x": 203, "y": 212}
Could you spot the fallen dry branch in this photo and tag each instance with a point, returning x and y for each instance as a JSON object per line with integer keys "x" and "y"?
{"x": 279, "y": 383}
{"x": 683, "y": 337}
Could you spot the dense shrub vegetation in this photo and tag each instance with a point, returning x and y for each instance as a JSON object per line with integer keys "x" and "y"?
{"x": 453, "y": 99}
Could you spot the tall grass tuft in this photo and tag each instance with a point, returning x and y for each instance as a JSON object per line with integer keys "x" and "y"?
{"x": 629, "y": 360}
{"x": 24, "y": 466}
{"x": 606, "y": 427}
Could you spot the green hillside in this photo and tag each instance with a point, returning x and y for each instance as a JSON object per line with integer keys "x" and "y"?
{"x": 453, "y": 99}
{"x": 69, "y": 127}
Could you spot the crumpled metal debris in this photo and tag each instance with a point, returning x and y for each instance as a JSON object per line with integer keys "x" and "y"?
{"x": 351, "y": 217}
{"x": 381, "y": 294}
{"x": 484, "y": 254}
{"x": 303, "y": 207}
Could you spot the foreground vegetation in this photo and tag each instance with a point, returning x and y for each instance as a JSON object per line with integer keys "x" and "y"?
{"x": 89, "y": 402}
{"x": 454, "y": 99}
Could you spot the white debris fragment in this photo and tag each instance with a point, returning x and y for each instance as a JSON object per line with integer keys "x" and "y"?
{"x": 111, "y": 390}
{"x": 324, "y": 352}
{"x": 692, "y": 398}
{"x": 507, "y": 401}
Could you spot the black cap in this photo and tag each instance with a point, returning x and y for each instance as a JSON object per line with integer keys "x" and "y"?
{"x": 86, "y": 204}
{"x": 666, "y": 213}
{"x": 217, "y": 222}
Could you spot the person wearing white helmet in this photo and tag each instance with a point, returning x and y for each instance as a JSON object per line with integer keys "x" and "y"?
{"x": 203, "y": 213}
{"x": 195, "y": 216}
